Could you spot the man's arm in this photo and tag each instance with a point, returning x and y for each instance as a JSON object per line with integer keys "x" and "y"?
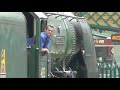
{"x": 30, "y": 41}
{"x": 43, "y": 50}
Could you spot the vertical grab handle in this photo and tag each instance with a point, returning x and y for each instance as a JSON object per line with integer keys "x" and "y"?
{"x": 48, "y": 65}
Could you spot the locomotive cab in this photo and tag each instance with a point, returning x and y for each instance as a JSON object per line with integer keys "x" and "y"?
{"x": 35, "y": 23}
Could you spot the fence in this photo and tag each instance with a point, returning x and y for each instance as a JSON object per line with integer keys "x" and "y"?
{"x": 108, "y": 70}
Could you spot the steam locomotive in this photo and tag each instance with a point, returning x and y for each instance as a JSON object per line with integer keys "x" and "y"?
{"x": 72, "y": 51}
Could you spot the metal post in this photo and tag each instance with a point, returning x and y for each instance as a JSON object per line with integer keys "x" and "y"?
{"x": 119, "y": 71}
{"x": 114, "y": 70}
{"x": 110, "y": 70}
{"x": 98, "y": 66}
{"x": 102, "y": 70}
{"x": 106, "y": 70}
{"x": 48, "y": 65}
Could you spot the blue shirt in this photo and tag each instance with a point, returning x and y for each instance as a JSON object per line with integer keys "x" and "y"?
{"x": 43, "y": 37}
{"x": 31, "y": 41}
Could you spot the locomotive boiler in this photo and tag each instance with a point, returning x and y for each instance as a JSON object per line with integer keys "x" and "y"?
{"x": 72, "y": 51}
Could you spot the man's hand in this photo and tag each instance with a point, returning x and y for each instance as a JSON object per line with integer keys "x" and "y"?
{"x": 44, "y": 51}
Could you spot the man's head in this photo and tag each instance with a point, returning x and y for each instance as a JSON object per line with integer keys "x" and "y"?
{"x": 49, "y": 29}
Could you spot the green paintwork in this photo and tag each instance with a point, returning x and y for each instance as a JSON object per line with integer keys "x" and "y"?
{"x": 89, "y": 47}
{"x": 58, "y": 51}
{"x": 38, "y": 57}
{"x": 13, "y": 40}
{"x": 31, "y": 62}
{"x": 20, "y": 62}
{"x": 43, "y": 67}
{"x": 73, "y": 31}
{"x": 61, "y": 51}
{"x": 70, "y": 33}
{"x": 33, "y": 52}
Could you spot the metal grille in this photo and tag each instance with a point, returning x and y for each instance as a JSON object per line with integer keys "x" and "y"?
{"x": 103, "y": 20}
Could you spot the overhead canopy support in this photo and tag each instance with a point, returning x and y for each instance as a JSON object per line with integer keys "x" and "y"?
{"x": 104, "y": 28}
{"x": 105, "y": 35}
